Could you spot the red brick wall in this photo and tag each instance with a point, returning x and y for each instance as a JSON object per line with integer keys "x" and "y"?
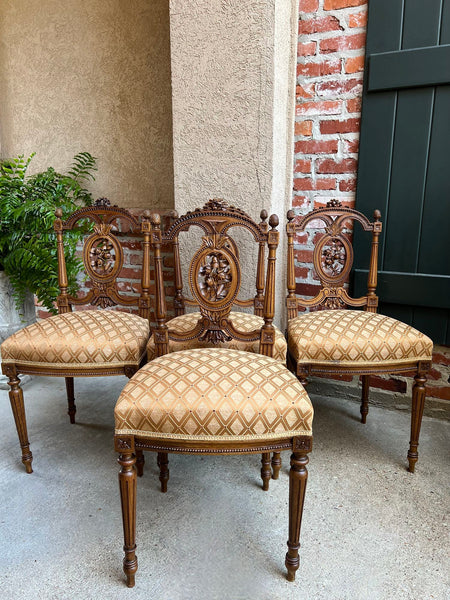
{"x": 330, "y": 65}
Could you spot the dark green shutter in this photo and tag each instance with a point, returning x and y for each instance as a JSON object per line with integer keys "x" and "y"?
{"x": 404, "y": 161}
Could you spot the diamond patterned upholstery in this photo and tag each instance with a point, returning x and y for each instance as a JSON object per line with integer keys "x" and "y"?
{"x": 214, "y": 394}
{"x": 242, "y": 321}
{"x": 355, "y": 338}
{"x": 90, "y": 337}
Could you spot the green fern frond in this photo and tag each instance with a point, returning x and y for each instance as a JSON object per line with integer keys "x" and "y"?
{"x": 27, "y": 213}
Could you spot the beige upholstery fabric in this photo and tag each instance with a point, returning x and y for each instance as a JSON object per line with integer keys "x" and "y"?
{"x": 214, "y": 394}
{"x": 242, "y": 321}
{"x": 90, "y": 337}
{"x": 354, "y": 337}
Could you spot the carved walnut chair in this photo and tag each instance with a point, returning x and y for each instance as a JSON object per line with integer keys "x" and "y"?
{"x": 91, "y": 342}
{"x": 184, "y": 322}
{"x": 213, "y": 400}
{"x": 338, "y": 339}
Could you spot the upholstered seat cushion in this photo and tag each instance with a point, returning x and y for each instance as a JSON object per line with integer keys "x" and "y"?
{"x": 90, "y": 337}
{"x": 214, "y": 394}
{"x": 355, "y": 338}
{"x": 242, "y": 321}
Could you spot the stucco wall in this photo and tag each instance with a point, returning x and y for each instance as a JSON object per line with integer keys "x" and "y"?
{"x": 232, "y": 106}
{"x": 91, "y": 75}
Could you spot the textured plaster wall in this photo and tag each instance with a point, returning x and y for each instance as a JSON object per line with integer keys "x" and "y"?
{"x": 91, "y": 75}
{"x": 232, "y": 107}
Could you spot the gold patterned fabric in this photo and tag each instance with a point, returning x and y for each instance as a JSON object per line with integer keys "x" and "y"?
{"x": 242, "y": 321}
{"x": 355, "y": 338}
{"x": 89, "y": 337}
{"x": 214, "y": 394}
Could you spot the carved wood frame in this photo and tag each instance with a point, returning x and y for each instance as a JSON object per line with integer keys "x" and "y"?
{"x": 104, "y": 292}
{"x": 180, "y": 301}
{"x": 216, "y": 219}
{"x": 333, "y": 293}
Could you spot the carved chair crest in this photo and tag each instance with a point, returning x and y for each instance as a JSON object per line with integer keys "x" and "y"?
{"x": 103, "y": 256}
{"x": 332, "y": 257}
{"x": 215, "y": 273}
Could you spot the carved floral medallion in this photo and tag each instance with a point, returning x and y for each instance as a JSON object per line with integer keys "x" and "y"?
{"x": 333, "y": 257}
{"x": 214, "y": 277}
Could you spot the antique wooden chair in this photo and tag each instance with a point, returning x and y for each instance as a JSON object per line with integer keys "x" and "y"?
{"x": 244, "y": 321}
{"x": 86, "y": 342}
{"x": 338, "y": 340}
{"x": 184, "y": 322}
{"x": 213, "y": 400}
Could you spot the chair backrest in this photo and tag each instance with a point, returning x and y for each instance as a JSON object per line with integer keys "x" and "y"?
{"x": 332, "y": 257}
{"x": 257, "y": 302}
{"x": 103, "y": 257}
{"x": 215, "y": 275}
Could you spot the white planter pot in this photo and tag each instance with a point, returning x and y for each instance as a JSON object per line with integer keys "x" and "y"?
{"x": 11, "y": 320}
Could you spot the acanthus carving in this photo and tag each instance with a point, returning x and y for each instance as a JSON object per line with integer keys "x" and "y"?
{"x": 216, "y": 204}
{"x": 102, "y": 296}
{"x": 334, "y": 203}
{"x": 102, "y": 202}
{"x": 334, "y": 303}
{"x": 214, "y": 336}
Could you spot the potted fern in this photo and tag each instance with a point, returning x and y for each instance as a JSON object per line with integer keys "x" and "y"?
{"x": 28, "y": 259}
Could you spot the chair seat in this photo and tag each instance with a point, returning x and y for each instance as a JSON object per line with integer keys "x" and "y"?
{"x": 214, "y": 394}
{"x": 84, "y": 338}
{"x": 355, "y": 338}
{"x": 242, "y": 321}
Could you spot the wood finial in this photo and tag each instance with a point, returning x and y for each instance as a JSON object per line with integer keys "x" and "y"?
{"x": 274, "y": 221}
{"x": 377, "y": 215}
{"x": 264, "y": 214}
{"x": 155, "y": 218}
{"x": 290, "y": 215}
{"x": 59, "y": 213}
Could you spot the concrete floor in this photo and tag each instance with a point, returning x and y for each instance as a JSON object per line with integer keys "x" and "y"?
{"x": 371, "y": 530}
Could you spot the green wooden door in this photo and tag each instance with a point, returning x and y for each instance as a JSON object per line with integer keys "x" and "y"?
{"x": 404, "y": 161}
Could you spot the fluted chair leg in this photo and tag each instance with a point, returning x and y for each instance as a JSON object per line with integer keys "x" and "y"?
{"x": 418, "y": 403}
{"x": 140, "y": 462}
{"x": 128, "y": 484}
{"x": 163, "y": 464}
{"x": 276, "y": 464}
{"x": 18, "y": 408}
{"x": 266, "y": 471}
{"x": 298, "y": 477}
{"x": 364, "y": 409}
{"x": 72, "y": 409}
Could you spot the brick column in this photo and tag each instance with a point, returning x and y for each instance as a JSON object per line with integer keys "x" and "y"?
{"x": 330, "y": 64}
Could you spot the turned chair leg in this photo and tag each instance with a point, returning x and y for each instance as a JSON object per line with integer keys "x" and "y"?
{"x": 298, "y": 477}
{"x": 18, "y": 408}
{"x": 163, "y": 464}
{"x": 364, "y": 409}
{"x": 266, "y": 471}
{"x": 127, "y": 484}
{"x": 276, "y": 464}
{"x": 72, "y": 409}
{"x": 140, "y": 462}
{"x": 418, "y": 403}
